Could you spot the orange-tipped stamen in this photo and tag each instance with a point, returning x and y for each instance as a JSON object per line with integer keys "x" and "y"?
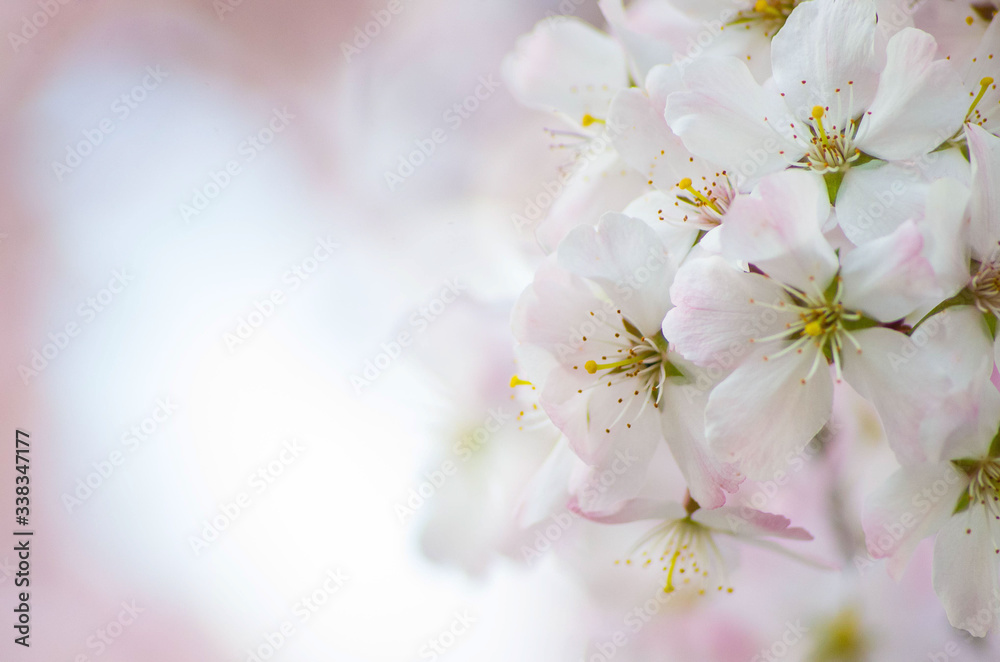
{"x": 589, "y": 119}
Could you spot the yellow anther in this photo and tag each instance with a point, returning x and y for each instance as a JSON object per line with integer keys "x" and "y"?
{"x": 763, "y": 7}
{"x": 814, "y": 329}
{"x": 594, "y": 366}
{"x": 687, "y": 185}
{"x": 984, "y": 85}
{"x": 589, "y": 119}
{"x": 517, "y": 381}
{"x": 818, "y": 113}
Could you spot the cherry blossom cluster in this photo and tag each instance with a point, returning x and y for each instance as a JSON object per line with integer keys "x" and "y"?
{"x": 769, "y": 207}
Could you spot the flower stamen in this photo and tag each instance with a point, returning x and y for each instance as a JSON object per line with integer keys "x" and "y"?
{"x": 984, "y": 86}
{"x": 687, "y": 185}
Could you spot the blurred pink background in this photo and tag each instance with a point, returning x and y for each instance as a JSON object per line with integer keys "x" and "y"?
{"x": 257, "y": 267}
{"x": 117, "y": 117}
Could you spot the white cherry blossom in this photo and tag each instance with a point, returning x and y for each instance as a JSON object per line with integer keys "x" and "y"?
{"x": 590, "y": 340}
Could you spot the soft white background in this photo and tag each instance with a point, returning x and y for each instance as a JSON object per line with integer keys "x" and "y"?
{"x": 162, "y": 337}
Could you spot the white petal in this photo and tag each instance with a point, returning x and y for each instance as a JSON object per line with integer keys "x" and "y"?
{"x": 547, "y": 490}
{"x": 642, "y": 137}
{"x": 621, "y": 472}
{"x": 946, "y": 231}
{"x": 984, "y": 150}
{"x": 727, "y": 118}
{"x": 779, "y": 229}
{"x": 599, "y": 182}
{"x": 875, "y": 199}
{"x": 903, "y": 382}
{"x": 889, "y": 278}
{"x": 919, "y": 103}
{"x": 654, "y": 208}
{"x": 767, "y": 410}
{"x": 965, "y": 571}
{"x": 915, "y": 502}
{"x": 682, "y": 416}
{"x": 566, "y": 66}
{"x": 645, "y": 51}
{"x": 719, "y": 312}
{"x": 825, "y": 56}
{"x": 629, "y": 261}
{"x": 552, "y": 310}
{"x": 969, "y": 420}
{"x": 598, "y": 426}
{"x": 662, "y": 81}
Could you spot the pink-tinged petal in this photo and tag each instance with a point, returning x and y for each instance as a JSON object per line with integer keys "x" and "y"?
{"x": 946, "y": 230}
{"x": 889, "y": 278}
{"x": 962, "y": 417}
{"x": 624, "y": 256}
{"x": 919, "y": 103}
{"x": 603, "y": 420}
{"x": 915, "y": 502}
{"x": 622, "y": 471}
{"x": 779, "y": 229}
{"x": 653, "y": 208}
{"x": 949, "y": 23}
{"x": 642, "y": 137}
{"x": 768, "y": 409}
{"x": 876, "y": 198}
{"x": 960, "y": 341}
{"x": 901, "y": 379}
{"x": 633, "y": 510}
{"x": 984, "y": 151}
{"x": 719, "y": 312}
{"x": 654, "y": 149}
{"x": 727, "y": 118}
{"x": 547, "y": 492}
{"x": 965, "y": 571}
{"x": 567, "y": 408}
{"x": 747, "y": 522}
{"x": 682, "y": 418}
{"x": 553, "y": 314}
{"x": 599, "y": 182}
{"x": 568, "y": 67}
{"x": 645, "y": 49}
{"x": 662, "y": 81}
{"x": 825, "y": 56}
{"x": 968, "y": 421}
